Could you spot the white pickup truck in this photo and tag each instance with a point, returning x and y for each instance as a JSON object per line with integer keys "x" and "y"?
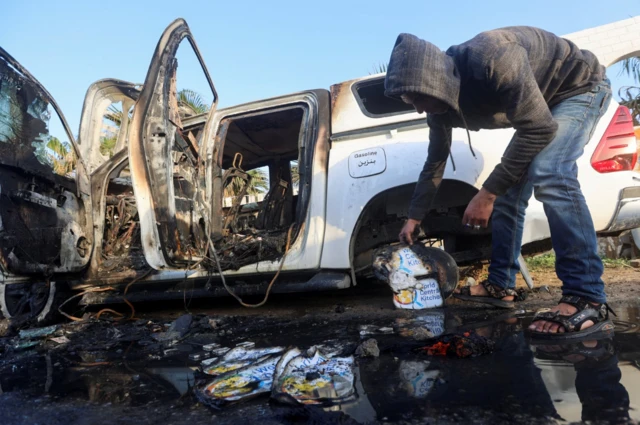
{"x": 139, "y": 195}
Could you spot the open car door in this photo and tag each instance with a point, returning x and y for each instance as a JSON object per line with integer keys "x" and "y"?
{"x": 104, "y": 130}
{"x": 45, "y": 202}
{"x": 167, "y": 168}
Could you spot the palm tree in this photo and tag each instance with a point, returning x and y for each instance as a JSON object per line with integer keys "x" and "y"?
{"x": 631, "y": 67}
{"x": 259, "y": 184}
{"x": 380, "y": 68}
{"x": 295, "y": 173}
{"x": 108, "y": 145}
{"x": 61, "y": 156}
{"x": 191, "y": 103}
{"x": 114, "y": 114}
{"x": 630, "y": 95}
{"x": 109, "y": 138}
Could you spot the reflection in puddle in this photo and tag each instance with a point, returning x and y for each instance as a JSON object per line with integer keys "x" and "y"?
{"x": 584, "y": 380}
{"x": 417, "y": 380}
{"x": 181, "y": 378}
{"x": 359, "y": 409}
{"x": 521, "y": 382}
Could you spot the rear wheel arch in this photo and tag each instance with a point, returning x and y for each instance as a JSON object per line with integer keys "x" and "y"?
{"x": 383, "y": 216}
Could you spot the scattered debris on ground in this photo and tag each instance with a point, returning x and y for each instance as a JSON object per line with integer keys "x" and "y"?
{"x": 240, "y": 357}
{"x": 240, "y": 383}
{"x": 368, "y": 348}
{"x": 418, "y": 333}
{"x": 313, "y": 378}
{"x": 468, "y": 344}
{"x": 37, "y": 332}
{"x": 177, "y": 329}
{"x": 152, "y": 368}
{"x": 375, "y": 330}
{"x": 61, "y": 340}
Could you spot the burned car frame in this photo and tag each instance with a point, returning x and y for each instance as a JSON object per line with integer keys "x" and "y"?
{"x": 163, "y": 193}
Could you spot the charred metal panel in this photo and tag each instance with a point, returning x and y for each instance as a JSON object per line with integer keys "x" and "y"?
{"x": 39, "y": 227}
{"x": 118, "y": 247}
{"x": 116, "y": 231}
{"x": 99, "y": 97}
{"x": 347, "y": 113}
{"x": 167, "y": 172}
{"x": 43, "y": 222}
{"x": 313, "y": 150}
{"x": 146, "y": 290}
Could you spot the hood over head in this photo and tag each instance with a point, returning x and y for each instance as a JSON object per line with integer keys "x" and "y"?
{"x": 417, "y": 66}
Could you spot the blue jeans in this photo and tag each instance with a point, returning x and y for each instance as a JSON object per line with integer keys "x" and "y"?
{"x": 553, "y": 178}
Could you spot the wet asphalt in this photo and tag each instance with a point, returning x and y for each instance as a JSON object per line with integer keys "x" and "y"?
{"x": 137, "y": 372}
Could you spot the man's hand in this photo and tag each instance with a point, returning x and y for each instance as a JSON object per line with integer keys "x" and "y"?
{"x": 479, "y": 209}
{"x": 408, "y": 231}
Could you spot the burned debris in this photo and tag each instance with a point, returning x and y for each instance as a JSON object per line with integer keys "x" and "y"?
{"x": 224, "y": 361}
{"x": 268, "y": 145}
{"x": 467, "y": 344}
{"x": 122, "y": 248}
{"x": 420, "y": 277}
{"x": 251, "y": 231}
{"x": 242, "y": 249}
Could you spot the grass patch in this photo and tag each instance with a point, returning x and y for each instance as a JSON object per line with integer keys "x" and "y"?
{"x": 541, "y": 262}
{"x": 614, "y": 264}
{"x": 548, "y": 261}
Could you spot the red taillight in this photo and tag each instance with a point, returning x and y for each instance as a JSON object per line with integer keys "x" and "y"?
{"x": 617, "y": 150}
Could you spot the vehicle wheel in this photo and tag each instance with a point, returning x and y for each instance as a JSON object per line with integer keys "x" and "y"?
{"x": 36, "y": 301}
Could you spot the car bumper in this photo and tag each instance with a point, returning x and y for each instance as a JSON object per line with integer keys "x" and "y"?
{"x": 627, "y": 214}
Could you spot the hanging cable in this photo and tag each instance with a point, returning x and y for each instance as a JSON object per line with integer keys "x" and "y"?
{"x": 266, "y": 296}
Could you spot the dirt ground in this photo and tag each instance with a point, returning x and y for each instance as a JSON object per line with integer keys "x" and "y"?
{"x": 621, "y": 284}
{"x": 120, "y": 372}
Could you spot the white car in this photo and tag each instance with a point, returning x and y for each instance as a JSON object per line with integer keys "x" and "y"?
{"x": 136, "y": 205}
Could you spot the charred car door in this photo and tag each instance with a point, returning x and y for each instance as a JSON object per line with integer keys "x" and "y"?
{"x": 45, "y": 202}
{"x": 166, "y": 165}
{"x": 103, "y": 143}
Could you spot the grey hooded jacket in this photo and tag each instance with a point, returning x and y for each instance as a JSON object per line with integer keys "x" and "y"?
{"x": 508, "y": 77}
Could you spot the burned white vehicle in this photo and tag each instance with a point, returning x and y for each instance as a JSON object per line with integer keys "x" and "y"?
{"x": 151, "y": 200}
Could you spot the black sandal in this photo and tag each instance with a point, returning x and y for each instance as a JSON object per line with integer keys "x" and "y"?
{"x": 591, "y": 356}
{"x": 599, "y": 314}
{"x": 495, "y": 295}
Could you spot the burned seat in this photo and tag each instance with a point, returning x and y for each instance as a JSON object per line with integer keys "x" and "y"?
{"x": 277, "y": 208}
{"x": 237, "y": 176}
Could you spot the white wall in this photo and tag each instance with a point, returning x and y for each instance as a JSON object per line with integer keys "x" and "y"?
{"x": 612, "y": 42}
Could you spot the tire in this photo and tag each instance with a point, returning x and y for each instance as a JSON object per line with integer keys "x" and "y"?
{"x": 37, "y": 302}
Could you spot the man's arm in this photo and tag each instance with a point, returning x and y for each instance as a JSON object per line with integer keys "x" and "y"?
{"x": 510, "y": 75}
{"x": 431, "y": 174}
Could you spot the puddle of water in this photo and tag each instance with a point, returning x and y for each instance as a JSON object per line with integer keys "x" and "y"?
{"x": 519, "y": 382}
{"x": 590, "y": 381}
